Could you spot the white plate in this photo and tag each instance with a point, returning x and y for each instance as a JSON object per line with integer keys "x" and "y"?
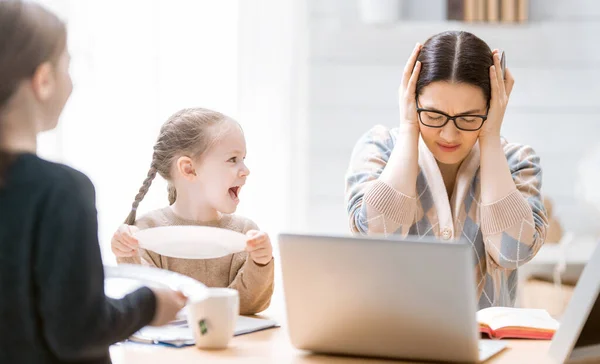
{"x": 192, "y": 242}
{"x": 126, "y": 278}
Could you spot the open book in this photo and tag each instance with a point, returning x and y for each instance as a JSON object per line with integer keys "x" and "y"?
{"x": 516, "y": 323}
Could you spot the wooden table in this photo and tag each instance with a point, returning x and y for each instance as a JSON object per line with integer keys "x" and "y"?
{"x": 273, "y": 346}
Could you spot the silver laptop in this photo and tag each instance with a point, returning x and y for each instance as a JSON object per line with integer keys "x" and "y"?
{"x": 394, "y": 298}
{"x": 578, "y": 337}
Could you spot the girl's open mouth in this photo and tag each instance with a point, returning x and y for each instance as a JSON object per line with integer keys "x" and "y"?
{"x": 234, "y": 192}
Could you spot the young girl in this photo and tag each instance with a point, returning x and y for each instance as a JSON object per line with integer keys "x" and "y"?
{"x": 201, "y": 154}
{"x": 445, "y": 171}
{"x": 52, "y": 304}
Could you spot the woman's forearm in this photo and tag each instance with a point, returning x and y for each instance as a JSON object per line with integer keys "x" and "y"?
{"x": 511, "y": 234}
{"x": 496, "y": 179}
{"x": 402, "y": 168}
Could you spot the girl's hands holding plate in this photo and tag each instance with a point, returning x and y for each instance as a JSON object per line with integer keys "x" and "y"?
{"x": 259, "y": 247}
{"x": 123, "y": 244}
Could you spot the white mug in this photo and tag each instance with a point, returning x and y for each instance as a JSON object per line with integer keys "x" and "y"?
{"x": 213, "y": 320}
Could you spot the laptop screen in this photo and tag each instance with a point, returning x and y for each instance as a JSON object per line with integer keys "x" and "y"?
{"x": 590, "y": 335}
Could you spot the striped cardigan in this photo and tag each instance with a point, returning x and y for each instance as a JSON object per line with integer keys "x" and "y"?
{"x": 504, "y": 235}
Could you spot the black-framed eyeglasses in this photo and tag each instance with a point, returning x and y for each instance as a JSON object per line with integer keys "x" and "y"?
{"x": 438, "y": 119}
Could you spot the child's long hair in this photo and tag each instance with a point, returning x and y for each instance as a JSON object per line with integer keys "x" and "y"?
{"x": 188, "y": 132}
{"x": 30, "y": 35}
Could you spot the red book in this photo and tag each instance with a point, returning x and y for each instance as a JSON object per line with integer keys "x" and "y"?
{"x": 516, "y": 323}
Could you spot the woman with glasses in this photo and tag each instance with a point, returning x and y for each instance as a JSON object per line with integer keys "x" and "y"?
{"x": 446, "y": 171}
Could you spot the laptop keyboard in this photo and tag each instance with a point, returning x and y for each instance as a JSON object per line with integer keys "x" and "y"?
{"x": 488, "y": 348}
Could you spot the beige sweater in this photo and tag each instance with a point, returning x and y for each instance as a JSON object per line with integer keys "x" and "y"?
{"x": 253, "y": 282}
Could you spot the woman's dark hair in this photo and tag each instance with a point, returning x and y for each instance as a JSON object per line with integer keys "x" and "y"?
{"x": 30, "y": 35}
{"x": 457, "y": 57}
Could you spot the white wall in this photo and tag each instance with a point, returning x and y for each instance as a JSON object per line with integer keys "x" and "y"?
{"x": 132, "y": 67}
{"x": 355, "y": 69}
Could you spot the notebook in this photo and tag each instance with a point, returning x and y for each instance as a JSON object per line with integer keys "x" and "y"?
{"x": 178, "y": 334}
{"x": 516, "y": 323}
